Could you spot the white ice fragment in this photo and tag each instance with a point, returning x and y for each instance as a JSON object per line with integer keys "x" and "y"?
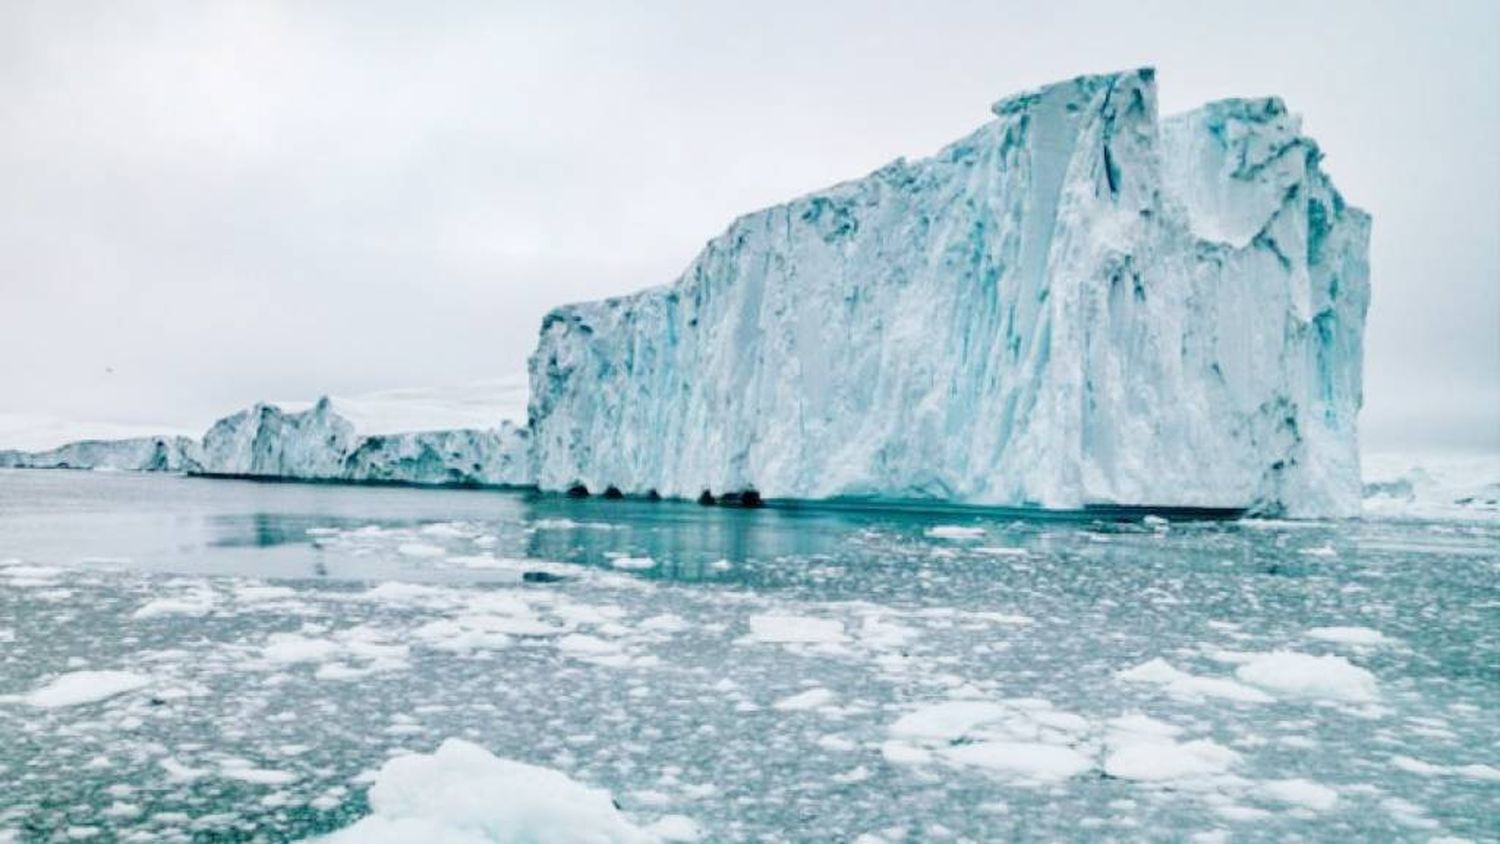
{"x": 1155, "y": 759}
{"x": 810, "y": 699}
{"x": 1024, "y": 759}
{"x": 1187, "y": 686}
{"x": 1348, "y": 635}
{"x": 1301, "y": 792}
{"x": 947, "y": 720}
{"x": 192, "y": 604}
{"x": 633, "y": 563}
{"x": 795, "y": 629}
{"x": 954, "y": 532}
{"x": 1295, "y": 675}
{"x": 80, "y": 687}
{"x": 462, "y": 794}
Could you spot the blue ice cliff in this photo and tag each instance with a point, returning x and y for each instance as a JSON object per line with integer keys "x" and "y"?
{"x": 1080, "y": 303}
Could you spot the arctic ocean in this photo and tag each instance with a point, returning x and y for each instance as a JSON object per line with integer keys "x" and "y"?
{"x": 197, "y": 659}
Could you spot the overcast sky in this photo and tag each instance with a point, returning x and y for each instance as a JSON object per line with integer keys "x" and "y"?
{"x": 204, "y": 204}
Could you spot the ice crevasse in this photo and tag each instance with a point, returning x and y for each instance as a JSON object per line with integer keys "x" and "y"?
{"x": 1080, "y": 303}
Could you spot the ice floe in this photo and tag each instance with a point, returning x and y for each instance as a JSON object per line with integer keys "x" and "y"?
{"x": 79, "y": 687}
{"x": 463, "y": 794}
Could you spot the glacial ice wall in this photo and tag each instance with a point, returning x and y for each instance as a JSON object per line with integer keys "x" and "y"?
{"x": 1077, "y": 304}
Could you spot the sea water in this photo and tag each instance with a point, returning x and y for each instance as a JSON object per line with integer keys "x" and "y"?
{"x": 189, "y": 659}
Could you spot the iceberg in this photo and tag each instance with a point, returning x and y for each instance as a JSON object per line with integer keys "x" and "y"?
{"x": 320, "y": 444}
{"x": 135, "y": 454}
{"x": 1079, "y": 304}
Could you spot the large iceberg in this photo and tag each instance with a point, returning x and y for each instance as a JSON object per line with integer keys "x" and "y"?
{"x": 1078, "y": 304}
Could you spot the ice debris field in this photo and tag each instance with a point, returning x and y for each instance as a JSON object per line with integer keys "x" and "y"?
{"x": 240, "y": 661}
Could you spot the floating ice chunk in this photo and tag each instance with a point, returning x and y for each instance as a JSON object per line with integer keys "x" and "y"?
{"x": 244, "y": 771}
{"x": 1349, "y": 635}
{"x": 420, "y": 549}
{"x": 1000, "y": 551}
{"x": 1427, "y": 769}
{"x": 948, "y": 720}
{"x": 192, "y": 604}
{"x": 179, "y": 772}
{"x": 810, "y": 699}
{"x": 902, "y": 753}
{"x": 795, "y": 629}
{"x": 954, "y": 532}
{"x": 1181, "y": 684}
{"x": 462, "y": 794}
{"x": 1296, "y": 675}
{"x": 79, "y": 687}
{"x": 633, "y": 563}
{"x": 1142, "y": 725}
{"x": 1147, "y": 759}
{"x": 676, "y": 828}
{"x": 1022, "y": 739}
{"x": 291, "y": 648}
{"x": 1024, "y": 759}
{"x": 256, "y": 594}
{"x": 665, "y": 623}
{"x": 1301, "y": 792}
{"x": 25, "y": 576}
{"x": 397, "y": 593}
{"x": 447, "y": 530}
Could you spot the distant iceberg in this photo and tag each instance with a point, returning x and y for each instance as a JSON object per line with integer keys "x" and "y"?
{"x": 135, "y": 454}
{"x": 319, "y": 443}
{"x": 1078, "y": 304}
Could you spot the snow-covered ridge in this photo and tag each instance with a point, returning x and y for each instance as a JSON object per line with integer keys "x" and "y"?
{"x": 1077, "y": 304}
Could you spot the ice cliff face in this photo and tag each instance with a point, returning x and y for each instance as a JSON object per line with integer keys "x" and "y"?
{"x": 140, "y": 454}
{"x": 1077, "y": 304}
